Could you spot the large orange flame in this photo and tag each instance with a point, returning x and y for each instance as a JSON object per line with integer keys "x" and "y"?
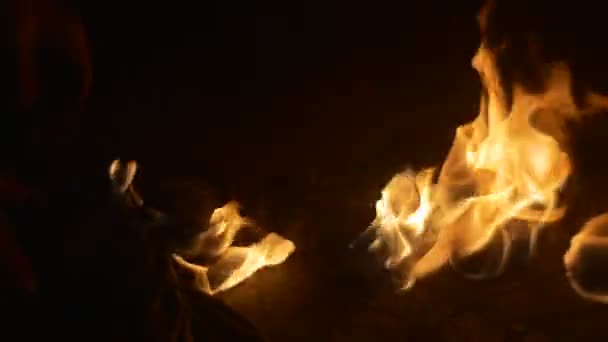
{"x": 587, "y": 258}
{"x": 504, "y": 170}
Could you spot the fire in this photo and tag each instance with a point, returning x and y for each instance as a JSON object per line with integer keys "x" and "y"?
{"x": 500, "y": 182}
{"x": 505, "y": 170}
{"x": 225, "y": 265}
{"x": 586, "y": 260}
{"x": 231, "y": 265}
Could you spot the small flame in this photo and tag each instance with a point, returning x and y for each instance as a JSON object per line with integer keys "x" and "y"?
{"x": 505, "y": 168}
{"x": 505, "y": 171}
{"x": 232, "y": 265}
{"x": 122, "y": 175}
{"x": 586, "y": 260}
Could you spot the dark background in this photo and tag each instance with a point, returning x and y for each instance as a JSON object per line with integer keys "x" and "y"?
{"x": 302, "y": 112}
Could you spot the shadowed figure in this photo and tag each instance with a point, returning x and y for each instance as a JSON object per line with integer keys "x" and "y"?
{"x": 73, "y": 262}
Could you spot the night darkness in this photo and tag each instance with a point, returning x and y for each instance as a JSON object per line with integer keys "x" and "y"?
{"x": 302, "y": 112}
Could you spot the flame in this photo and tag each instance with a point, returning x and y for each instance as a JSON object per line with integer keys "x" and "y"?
{"x": 122, "y": 175}
{"x": 505, "y": 169}
{"x": 231, "y": 265}
{"x": 586, "y": 260}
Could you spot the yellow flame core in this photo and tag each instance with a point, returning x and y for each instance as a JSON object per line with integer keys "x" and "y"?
{"x": 505, "y": 166}
{"x": 232, "y": 265}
